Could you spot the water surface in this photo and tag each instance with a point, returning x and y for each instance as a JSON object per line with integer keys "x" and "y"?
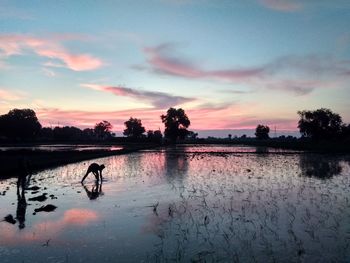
{"x": 182, "y": 204}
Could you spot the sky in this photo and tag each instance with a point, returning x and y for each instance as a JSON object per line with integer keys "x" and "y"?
{"x": 229, "y": 64}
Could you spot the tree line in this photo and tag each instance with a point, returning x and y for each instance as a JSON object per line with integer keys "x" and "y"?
{"x": 320, "y": 124}
{"x": 23, "y": 125}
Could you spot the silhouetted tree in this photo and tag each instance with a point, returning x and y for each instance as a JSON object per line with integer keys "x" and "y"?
{"x": 154, "y": 136}
{"x": 20, "y": 124}
{"x": 346, "y": 131}
{"x": 230, "y": 136}
{"x": 46, "y": 133}
{"x": 103, "y": 129}
{"x": 320, "y": 124}
{"x": 176, "y": 123}
{"x": 158, "y": 135}
{"x": 134, "y": 128}
{"x": 88, "y": 134}
{"x": 262, "y": 132}
{"x": 69, "y": 133}
{"x": 150, "y": 134}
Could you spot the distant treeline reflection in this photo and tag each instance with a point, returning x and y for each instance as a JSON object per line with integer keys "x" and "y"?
{"x": 323, "y": 167}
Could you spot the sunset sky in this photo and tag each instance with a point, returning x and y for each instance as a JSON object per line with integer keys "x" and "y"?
{"x": 228, "y": 64}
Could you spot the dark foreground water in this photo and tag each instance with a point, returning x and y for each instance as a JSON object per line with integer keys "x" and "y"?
{"x": 184, "y": 204}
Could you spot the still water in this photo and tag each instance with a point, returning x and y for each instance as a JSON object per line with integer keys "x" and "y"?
{"x": 184, "y": 204}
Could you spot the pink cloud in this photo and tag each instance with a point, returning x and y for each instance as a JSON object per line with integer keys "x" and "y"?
{"x": 282, "y": 5}
{"x": 161, "y": 62}
{"x": 7, "y": 95}
{"x": 19, "y": 44}
{"x": 234, "y": 116}
{"x": 203, "y": 117}
{"x": 157, "y": 99}
{"x": 251, "y": 123}
{"x": 74, "y": 62}
{"x": 298, "y": 75}
{"x": 164, "y": 64}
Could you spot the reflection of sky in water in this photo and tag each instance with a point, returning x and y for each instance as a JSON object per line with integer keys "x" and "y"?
{"x": 219, "y": 148}
{"x": 211, "y": 206}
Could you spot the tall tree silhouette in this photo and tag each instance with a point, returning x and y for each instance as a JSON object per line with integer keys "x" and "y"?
{"x": 262, "y": 132}
{"x": 134, "y": 128}
{"x": 103, "y": 129}
{"x": 176, "y": 123}
{"x": 20, "y": 124}
{"x": 320, "y": 124}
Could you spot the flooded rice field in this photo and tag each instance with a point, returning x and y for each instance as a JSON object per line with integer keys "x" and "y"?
{"x": 183, "y": 204}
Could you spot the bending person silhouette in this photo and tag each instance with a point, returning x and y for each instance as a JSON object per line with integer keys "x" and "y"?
{"x": 96, "y": 169}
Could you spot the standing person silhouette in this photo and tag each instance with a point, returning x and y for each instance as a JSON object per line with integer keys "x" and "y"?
{"x": 21, "y": 208}
{"x": 22, "y": 184}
